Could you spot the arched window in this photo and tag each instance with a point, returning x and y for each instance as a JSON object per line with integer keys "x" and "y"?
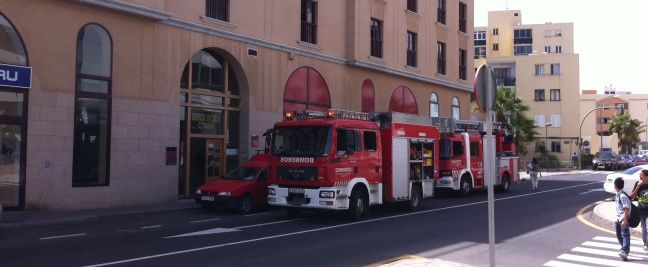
{"x": 306, "y": 89}
{"x": 403, "y": 100}
{"x": 456, "y": 109}
{"x": 92, "y": 107}
{"x": 434, "y": 105}
{"x": 12, "y": 50}
{"x": 368, "y": 94}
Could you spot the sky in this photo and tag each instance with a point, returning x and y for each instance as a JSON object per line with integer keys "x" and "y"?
{"x": 611, "y": 37}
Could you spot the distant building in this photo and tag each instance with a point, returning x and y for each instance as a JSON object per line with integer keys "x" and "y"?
{"x": 539, "y": 62}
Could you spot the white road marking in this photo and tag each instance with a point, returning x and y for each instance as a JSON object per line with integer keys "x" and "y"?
{"x": 264, "y": 224}
{"x": 257, "y": 214}
{"x": 151, "y": 226}
{"x": 207, "y": 232}
{"x": 329, "y": 227}
{"x": 610, "y": 246}
{"x": 606, "y": 239}
{"x": 563, "y": 264}
{"x": 599, "y": 261}
{"x": 608, "y": 253}
{"x": 592, "y": 191}
{"x": 61, "y": 236}
{"x": 206, "y": 220}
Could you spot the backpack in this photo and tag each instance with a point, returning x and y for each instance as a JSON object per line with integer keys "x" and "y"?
{"x": 634, "y": 212}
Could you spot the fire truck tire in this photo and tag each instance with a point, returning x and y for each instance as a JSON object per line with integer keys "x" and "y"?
{"x": 358, "y": 204}
{"x": 506, "y": 184}
{"x": 416, "y": 202}
{"x": 245, "y": 205}
{"x": 465, "y": 187}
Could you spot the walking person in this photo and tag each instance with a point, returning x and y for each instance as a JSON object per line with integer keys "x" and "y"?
{"x": 640, "y": 192}
{"x": 534, "y": 172}
{"x": 574, "y": 159}
{"x": 622, "y": 223}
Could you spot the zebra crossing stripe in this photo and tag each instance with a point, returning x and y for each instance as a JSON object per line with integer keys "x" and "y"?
{"x": 607, "y": 239}
{"x": 598, "y": 261}
{"x": 610, "y": 246}
{"x": 563, "y": 264}
{"x": 608, "y": 253}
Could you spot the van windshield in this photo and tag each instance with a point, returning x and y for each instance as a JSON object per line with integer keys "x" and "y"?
{"x": 309, "y": 141}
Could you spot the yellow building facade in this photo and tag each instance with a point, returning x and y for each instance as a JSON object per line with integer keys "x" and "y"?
{"x": 539, "y": 62}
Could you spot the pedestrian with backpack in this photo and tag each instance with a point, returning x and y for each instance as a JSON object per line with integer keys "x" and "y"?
{"x": 622, "y": 223}
{"x": 640, "y": 193}
{"x": 534, "y": 171}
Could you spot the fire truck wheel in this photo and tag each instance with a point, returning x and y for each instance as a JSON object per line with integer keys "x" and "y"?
{"x": 245, "y": 205}
{"x": 466, "y": 187}
{"x": 506, "y": 184}
{"x": 358, "y": 204}
{"x": 416, "y": 202}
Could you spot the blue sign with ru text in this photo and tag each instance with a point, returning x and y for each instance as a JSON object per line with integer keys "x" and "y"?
{"x": 15, "y": 76}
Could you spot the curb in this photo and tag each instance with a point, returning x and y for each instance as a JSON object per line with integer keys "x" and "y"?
{"x": 610, "y": 225}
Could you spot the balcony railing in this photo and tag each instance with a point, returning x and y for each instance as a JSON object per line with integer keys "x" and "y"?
{"x": 309, "y": 32}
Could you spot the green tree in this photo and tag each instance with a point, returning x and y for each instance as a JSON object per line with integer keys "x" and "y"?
{"x": 628, "y": 130}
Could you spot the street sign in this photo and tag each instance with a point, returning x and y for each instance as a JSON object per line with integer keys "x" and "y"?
{"x": 15, "y": 76}
{"x": 484, "y": 85}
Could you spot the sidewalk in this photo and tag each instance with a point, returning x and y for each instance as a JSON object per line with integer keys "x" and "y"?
{"x": 526, "y": 176}
{"x": 20, "y": 219}
{"x": 604, "y": 215}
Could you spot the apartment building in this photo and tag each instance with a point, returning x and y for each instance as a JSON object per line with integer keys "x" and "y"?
{"x": 596, "y": 125}
{"x": 539, "y": 62}
{"x": 127, "y": 102}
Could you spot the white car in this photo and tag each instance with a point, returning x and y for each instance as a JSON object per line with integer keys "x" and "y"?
{"x": 630, "y": 177}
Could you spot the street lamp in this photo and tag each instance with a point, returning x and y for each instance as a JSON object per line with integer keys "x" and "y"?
{"x": 580, "y": 133}
{"x": 547, "y": 125}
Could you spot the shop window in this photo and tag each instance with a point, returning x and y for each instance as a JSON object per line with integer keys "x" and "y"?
{"x": 403, "y": 100}
{"x": 13, "y": 51}
{"x": 208, "y": 73}
{"x": 92, "y": 107}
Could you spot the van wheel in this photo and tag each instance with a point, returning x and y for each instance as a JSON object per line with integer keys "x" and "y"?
{"x": 416, "y": 201}
{"x": 245, "y": 205}
{"x": 506, "y": 184}
{"x": 358, "y": 205}
{"x": 466, "y": 187}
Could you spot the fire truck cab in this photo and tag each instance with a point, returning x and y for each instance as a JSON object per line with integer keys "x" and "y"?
{"x": 341, "y": 160}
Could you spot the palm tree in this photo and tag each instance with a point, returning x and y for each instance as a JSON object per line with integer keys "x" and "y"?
{"x": 628, "y": 130}
{"x": 509, "y": 110}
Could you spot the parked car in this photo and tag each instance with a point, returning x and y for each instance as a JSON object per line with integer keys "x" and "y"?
{"x": 607, "y": 160}
{"x": 640, "y": 160}
{"x": 243, "y": 188}
{"x": 626, "y": 161}
{"x": 630, "y": 177}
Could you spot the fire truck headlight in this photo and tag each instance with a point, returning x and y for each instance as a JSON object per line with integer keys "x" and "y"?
{"x": 224, "y": 194}
{"x": 271, "y": 191}
{"x": 327, "y": 194}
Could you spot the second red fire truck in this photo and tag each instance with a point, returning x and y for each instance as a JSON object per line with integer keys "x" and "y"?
{"x": 341, "y": 160}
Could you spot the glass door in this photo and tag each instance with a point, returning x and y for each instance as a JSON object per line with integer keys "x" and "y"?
{"x": 12, "y": 119}
{"x": 214, "y": 154}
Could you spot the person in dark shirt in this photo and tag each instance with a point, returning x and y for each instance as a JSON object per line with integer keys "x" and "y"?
{"x": 640, "y": 192}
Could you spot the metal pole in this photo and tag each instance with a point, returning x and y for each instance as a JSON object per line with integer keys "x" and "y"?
{"x": 490, "y": 170}
{"x": 546, "y": 148}
{"x": 580, "y": 135}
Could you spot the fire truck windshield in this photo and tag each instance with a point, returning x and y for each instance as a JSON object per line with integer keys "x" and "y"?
{"x": 310, "y": 141}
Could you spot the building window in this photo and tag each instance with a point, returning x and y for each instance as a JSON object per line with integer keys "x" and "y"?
{"x": 434, "y": 105}
{"x": 411, "y": 49}
{"x": 441, "y": 58}
{"x": 539, "y": 146}
{"x": 495, "y": 31}
{"x": 554, "y": 95}
{"x": 547, "y": 49}
{"x": 555, "y": 146}
{"x": 376, "y": 38}
{"x": 368, "y": 95}
{"x": 480, "y": 35}
{"x": 539, "y": 95}
{"x": 411, "y": 5}
{"x": 495, "y": 47}
{"x": 555, "y": 69}
{"x": 522, "y": 41}
{"x": 456, "y": 109}
{"x": 309, "y": 21}
{"x": 403, "y": 100}
{"x": 306, "y": 89}
{"x": 91, "y": 157}
{"x": 441, "y": 12}
{"x": 604, "y": 120}
{"x": 462, "y": 64}
{"x": 462, "y": 17}
{"x": 558, "y": 33}
{"x": 217, "y": 9}
{"x": 480, "y": 52}
{"x": 540, "y": 120}
{"x": 539, "y": 69}
{"x": 558, "y": 49}
{"x": 555, "y": 121}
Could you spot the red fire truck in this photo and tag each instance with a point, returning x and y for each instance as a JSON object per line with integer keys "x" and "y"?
{"x": 461, "y": 158}
{"x": 341, "y": 160}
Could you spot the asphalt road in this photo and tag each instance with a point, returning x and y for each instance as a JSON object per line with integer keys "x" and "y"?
{"x": 532, "y": 228}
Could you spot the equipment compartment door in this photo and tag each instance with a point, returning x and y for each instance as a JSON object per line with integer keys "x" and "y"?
{"x": 400, "y": 168}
